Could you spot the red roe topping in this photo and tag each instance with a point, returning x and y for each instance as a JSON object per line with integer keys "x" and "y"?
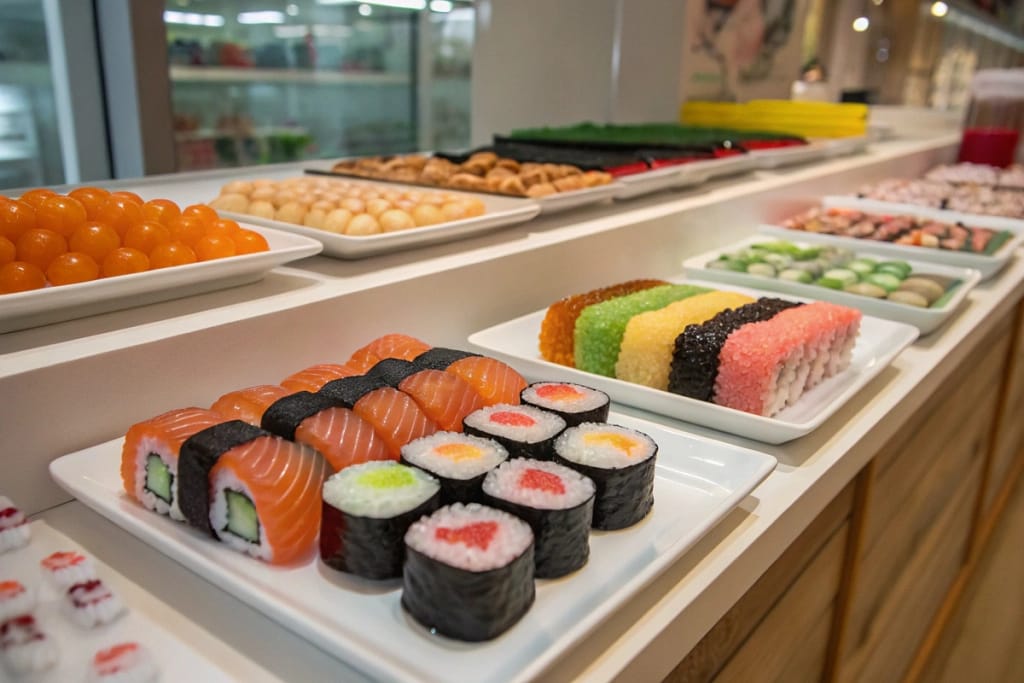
{"x": 512, "y": 419}
{"x": 89, "y": 593}
{"x": 113, "y": 659}
{"x": 9, "y": 589}
{"x": 559, "y": 392}
{"x": 11, "y": 517}
{"x": 540, "y": 480}
{"x": 475, "y": 535}
{"x": 60, "y": 560}
{"x": 19, "y": 631}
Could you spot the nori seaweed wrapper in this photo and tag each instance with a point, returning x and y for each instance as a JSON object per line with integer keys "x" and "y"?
{"x": 454, "y": 490}
{"x": 561, "y": 537}
{"x": 439, "y": 358}
{"x": 572, "y": 419}
{"x": 393, "y": 371}
{"x": 369, "y": 547}
{"x": 197, "y": 456}
{"x": 695, "y": 358}
{"x": 285, "y": 415}
{"x": 345, "y": 392}
{"x": 541, "y": 450}
{"x": 465, "y": 605}
{"x": 624, "y": 495}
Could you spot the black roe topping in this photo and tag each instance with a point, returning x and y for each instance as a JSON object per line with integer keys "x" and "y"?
{"x": 285, "y": 415}
{"x": 439, "y": 358}
{"x": 393, "y": 371}
{"x": 695, "y": 358}
{"x": 346, "y": 391}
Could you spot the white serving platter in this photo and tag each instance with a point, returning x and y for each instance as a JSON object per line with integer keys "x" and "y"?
{"x": 987, "y": 265}
{"x": 76, "y": 645}
{"x": 924, "y": 319}
{"x": 726, "y": 166}
{"x": 790, "y": 156}
{"x": 667, "y": 178}
{"x": 838, "y": 147}
{"x": 698, "y": 481}
{"x": 22, "y": 310}
{"x": 879, "y": 342}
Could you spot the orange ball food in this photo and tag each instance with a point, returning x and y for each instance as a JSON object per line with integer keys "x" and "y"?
{"x": 72, "y": 267}
{"x": 146, "y": 236}
{"x": 120, "y": 213}
{"x": 40, "y": 247}
{"x": 95, "y": 239}
{"x": 36, "y": 197}
{"x": 213, "y": 247}
{"x": 187, "y": 229}
{"x": 60, "y": 214}
{"x": 249, "y": 242}
{"x": 172, "y": 254}
{"x": 160, "y": 210}
{"x": 16, "y": 217}
{"x": 19, "y": 276}
{"x": 207, "y": 215}
{"x": 8, "y": 252}
{"x": 130, "y": 196}
{"x": 92, "y": 198}
{"x": 223, "y": 226}
{"x": 124, "y": 261}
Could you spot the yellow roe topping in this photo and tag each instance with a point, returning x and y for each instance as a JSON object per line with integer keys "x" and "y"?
{"x": 459, "y": 451}
{"x": 612, "y": 440}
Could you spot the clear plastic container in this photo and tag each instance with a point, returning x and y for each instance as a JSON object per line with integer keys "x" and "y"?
{"x": 995, "y": 118}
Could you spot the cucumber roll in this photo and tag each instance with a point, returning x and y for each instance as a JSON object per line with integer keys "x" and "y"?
{"x": 367, "y": 509}
{"x": 468, "y": 573}
{"x": 620, "y": 461}
{"x": 573, "y": 403}
{"x": 459, "y": 461}
{"x": 557, "y": 503}
{"x": 525, "y": 431}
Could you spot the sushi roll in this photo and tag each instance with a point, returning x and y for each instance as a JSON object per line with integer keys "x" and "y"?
{"x": 257, "y": 493}
{"x": 443, "y": 397}
{"x": 557, "y": 503}
{"x": 14, "y": 529}
{"x": 459, "y": 461}
{"x": 123, "y": 663}
{"x": 367, "y": 509}
{"x": 524, "y": 431}
{"x": 24, "y": 647}
{"x": 66, "y": 568}
{"x": 314, "y": 377}
{"x": 574, "y": 403}
{"x": 468, "y": 572}
{"x": 248, "y": 405}
{"x": 15, "y": 600}
{"x": 92, "y": 604}
{"x": 389, "y": 346}
{"x": 439, "y": 358}
{"x": 149, "y": 457}
{"x": 620, "y": 461}
{"x": 495, "y": 381}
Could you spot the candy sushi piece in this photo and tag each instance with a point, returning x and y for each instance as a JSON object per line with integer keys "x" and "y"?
{"x": 66, "y": 568}
{"x": 459, "y": 461}
{"x": 495, "y": 381}
{"x": 524, "y": 431}
{"x": 444, "y": 397}
{"x": 574, "y": 403}
{"x": 14, "y": 529}
{"x": 620, "y": 461}
{"x": 92, "y": 604}
{"x": 15, "y": 600}
{"x": 249, "y": 404}
{"x": 367, "y": 509}
{"x": 315, "y": 376}
{"x": 468, "y": 573}
{"x": 24, "y": 647}
{"x": 389, "y": 346}
{"x": 123, "y": 663}
{"x": 558, "y": 504}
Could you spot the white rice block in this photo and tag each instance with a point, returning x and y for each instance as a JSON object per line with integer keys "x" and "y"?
{"x": 123, "y": 663}
{"x": 16, "y": 600}
{"x": 225, "y": 479}
{"x": 605, "y": 445}
{"x": 536, "y": 484}
{"x": 537, "y": 425}
{"x": 379, "y": 490}
{"x": 92, "y": 604}
{"x": 472, "y": 537}
{"x": 453, "y": 455}
{"x": 147, "y": 446}
{"x": 24, "y": 648}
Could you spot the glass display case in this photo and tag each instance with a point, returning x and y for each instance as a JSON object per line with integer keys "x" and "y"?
{"x": 272, "y": 82}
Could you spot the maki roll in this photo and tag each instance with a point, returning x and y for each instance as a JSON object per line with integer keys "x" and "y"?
{"x": 14, "y": 530}
{"x": 459, "y": 461}
{"x": 574, "y": 403}
{"x": 24, "y": 648}
{"x": 557, "y": 503}
{"x": 123, "y": 663}
{"x": 367, "y": 509}
{"x": 620, "y": 461}
{"x": 149, "y": 457}
{"x": 468, "y": 572}
{"x": 15, "y": 600}
{"x": 524, "y": 431}
{"x": 92, "y": 603}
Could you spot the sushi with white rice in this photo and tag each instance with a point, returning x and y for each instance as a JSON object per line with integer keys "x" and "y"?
{"x": 14, "y": 529}
{"x": 525, "y": 431}
{"x": 459, "y": 461}
{"x": 574, "y": 403}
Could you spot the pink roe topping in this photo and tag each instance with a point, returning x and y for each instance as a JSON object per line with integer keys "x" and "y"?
{"x": 540, "y": 480}
{"x": 475, "y": 535}
{"x": 559, "y": 392}
{"x": 512, "y": 419}
{"x": 60, "y": 560}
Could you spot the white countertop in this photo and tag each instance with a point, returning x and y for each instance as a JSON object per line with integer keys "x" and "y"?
{"x": 645, "y": 639}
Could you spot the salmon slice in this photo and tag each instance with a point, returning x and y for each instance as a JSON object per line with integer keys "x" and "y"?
{"x": 248, "y": 404}
{"x": 395, "y": 417}
{"x": 444, "y": 397}
{"x": 154, "y": 483}
{"x": 265, "y": 499}
{"x": 495, "y": 381}
{"x": 314, "y": 377}
{"x": 343, "y": 438}
{"x": 389, "y": 346}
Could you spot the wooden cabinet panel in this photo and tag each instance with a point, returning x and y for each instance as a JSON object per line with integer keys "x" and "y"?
{"x": 1009, "y": 444}
{"x": 714, "y": 651}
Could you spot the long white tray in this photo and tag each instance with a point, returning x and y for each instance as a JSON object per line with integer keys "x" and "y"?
{"x": 54, "y": 304}
{"x": 880, "y": 341}
{"x": 789, "y": 156}
{"x": 698, "y": 481}
{"x": 924, "y": 319}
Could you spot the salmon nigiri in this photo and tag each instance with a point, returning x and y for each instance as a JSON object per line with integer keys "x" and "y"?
{"x": 445, "y": 398}
{"x": 314, "y": 377}
{"x": 495, "y": 381}
{"x": 248, "y": 404}
{"x": 394, "y": 415}
{"x": 389, "y": 346}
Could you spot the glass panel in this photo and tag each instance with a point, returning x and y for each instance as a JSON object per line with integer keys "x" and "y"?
{"x": 263, "y": 81}
{"x": 29, "y": 140}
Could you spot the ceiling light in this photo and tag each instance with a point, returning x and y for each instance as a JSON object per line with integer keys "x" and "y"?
{"x": 400, "y": 4}
{"x": 263, "y": 17}
{"x": 940, "y": 9}
{"x": 860, "y": 24}
{"x": 365, "y": 10}
{"x": 442, "y": 6}
{"x": 292, "y": 10}
{"x": 193, "y": 18}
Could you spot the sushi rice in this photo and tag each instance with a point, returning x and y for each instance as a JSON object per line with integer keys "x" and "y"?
{"x": 379, "y": 489}
{"x": 605, "y": 446}
{"x": 14, "y": 529}
{"x": 15, "y": 600}
{"x": 92, "y": 604}
{"x": 65, "y": 569}
{"x": 538, "y": 484}
{"x": 24, "y": 648}
{"x": 226, "y": 489}
{"x": 454, "y": 455}
{"x": 471, "y": 537}
{"x": 123, "y": 663}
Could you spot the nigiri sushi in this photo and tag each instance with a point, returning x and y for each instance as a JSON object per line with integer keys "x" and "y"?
{"x": 389, "y": 346}
{"x": 314, "y": 377}
{"x": 444, "y": 397}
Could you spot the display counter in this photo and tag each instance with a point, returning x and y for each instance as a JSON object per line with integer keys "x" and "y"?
{"x": 74, "y": 384}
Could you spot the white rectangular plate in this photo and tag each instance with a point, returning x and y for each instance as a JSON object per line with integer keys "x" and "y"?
{"x": 789, "y": 156}
{"x": 987, "y": 265}
{"x": 75, "y": 645}
{"x": 879, "y": 342}
{"x": 924, "y": 319}
{"x": 698, "y": 481}
{"x": 726, "y": 166}
{"x": 54, "y": 304}
{"x": 670, "y": 177}
{"x": 501, "y": 212}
